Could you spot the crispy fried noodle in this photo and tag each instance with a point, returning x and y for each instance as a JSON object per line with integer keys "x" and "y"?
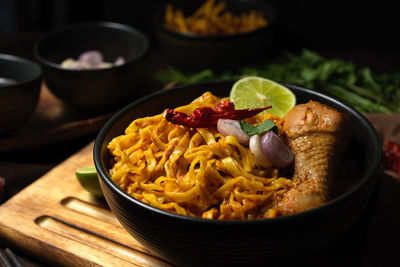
{"x": 193, "y": 171}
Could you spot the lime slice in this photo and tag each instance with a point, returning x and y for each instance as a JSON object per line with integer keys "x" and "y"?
{"x": 258, "y": 92}
{"x": 89, "y": 180}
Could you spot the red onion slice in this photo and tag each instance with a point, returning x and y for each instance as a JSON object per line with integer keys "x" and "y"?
{"x": 93, "y": 58}
{"x": 256, "y": 150}
{"x": 275, "y": 150}
{"x": 119, "y": 61}
{"x": 232, "y": 127}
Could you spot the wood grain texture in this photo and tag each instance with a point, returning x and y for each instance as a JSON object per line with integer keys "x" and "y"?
{"x": 55, "y": 219}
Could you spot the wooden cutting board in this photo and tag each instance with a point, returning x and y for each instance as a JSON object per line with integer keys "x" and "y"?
{"x": 57, "y": 220}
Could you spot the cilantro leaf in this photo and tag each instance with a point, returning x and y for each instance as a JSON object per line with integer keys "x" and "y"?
{"x": 250, "y": 129}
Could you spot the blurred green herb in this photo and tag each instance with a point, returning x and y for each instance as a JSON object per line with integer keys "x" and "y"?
{"x": 356, "y": 86}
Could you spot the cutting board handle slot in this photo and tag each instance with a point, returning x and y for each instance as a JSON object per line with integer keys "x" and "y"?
{"x": 94, "y": 210}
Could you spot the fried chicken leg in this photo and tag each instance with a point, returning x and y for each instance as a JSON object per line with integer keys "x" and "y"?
{"x": 316, "y": 135}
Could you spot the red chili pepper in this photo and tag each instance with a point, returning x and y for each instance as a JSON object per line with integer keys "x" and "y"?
{"x": 391, "y": 156}
{"x": 207, "y": 117}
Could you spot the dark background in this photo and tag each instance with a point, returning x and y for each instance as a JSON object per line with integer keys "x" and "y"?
{"x": 348, "y": 28}
{"x": 304, "y": 22}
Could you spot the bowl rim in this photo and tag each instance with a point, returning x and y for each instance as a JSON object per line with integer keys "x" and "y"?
{"x": 27, "y": 62}
{"x": 371, "y": 174}
{"x": 100, "y": 24}
{"x": 197, "y": 37}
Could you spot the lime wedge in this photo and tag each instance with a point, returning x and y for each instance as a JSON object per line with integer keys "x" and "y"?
{"x": 258, "y": 92}
{"x": 89, "y": 180}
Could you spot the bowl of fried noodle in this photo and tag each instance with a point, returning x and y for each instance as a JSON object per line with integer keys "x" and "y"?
{"x": 194, "y": 35}
{"x": 195, "y": 197}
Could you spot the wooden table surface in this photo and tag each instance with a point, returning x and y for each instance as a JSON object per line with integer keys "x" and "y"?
{"x": 58, "y": 221}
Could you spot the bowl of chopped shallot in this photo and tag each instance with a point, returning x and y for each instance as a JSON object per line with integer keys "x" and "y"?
{"x": 93, "y": 65}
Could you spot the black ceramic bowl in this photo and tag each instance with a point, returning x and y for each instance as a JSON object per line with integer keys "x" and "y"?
{"x": 188, "y": 241}
{"x": 94, "y": 88}
{"x": 192, "y": 52}
{"x": 20, "y": 81}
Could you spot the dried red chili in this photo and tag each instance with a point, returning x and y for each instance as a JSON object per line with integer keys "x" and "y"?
{"x": 391, "y": 156}
{"x": 207, "y": 117}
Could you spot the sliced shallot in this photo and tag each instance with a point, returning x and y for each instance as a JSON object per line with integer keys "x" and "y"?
{"x": 119, "y": 61}
{"x": 256, "y": 150}
{"x": 232, "y": 127}
{"x": 275, "y": 150}
{"x": 93, "y": 58}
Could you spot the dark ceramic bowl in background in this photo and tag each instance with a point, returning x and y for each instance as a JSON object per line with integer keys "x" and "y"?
{"x": 189, "y": 241}
{"x": 94, "y": 88}
{"x": 20, "y": 81}
{"x": 190, "y": 52}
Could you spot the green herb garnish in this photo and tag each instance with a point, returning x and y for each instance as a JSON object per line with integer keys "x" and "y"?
{"x": 267, "y": 125}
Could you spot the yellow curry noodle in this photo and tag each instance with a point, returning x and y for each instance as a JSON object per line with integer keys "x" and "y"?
{"x": 194, "y": 172}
